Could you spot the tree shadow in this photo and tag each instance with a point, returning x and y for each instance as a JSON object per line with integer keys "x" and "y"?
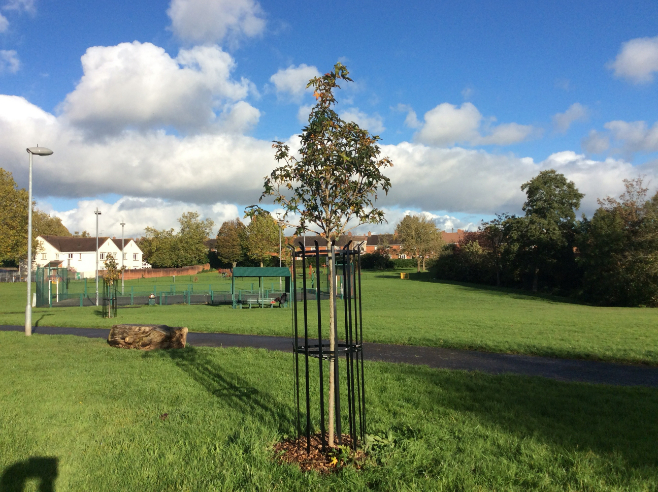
{"x": 36, "y": 323}
{"x": 572, "y": 417}
{"x": 15, "y": 477}
{"x": 231, "y": 388}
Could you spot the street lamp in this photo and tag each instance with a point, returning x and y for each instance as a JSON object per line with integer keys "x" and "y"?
{"x": 122, "y": 255}
{"x": 42, "y": 151}
{"x": 97, "y": 213}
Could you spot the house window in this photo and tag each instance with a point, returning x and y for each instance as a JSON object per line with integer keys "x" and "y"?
{"x": 102, "y": 256}
{"x": 403, "y": 257}
{"x": 135, "y": 256}
{"x": 44, "y": 256}
{"x": 80, "y": 259}
{"x": 125, "y": 256}
{"x": 70, "y": 256}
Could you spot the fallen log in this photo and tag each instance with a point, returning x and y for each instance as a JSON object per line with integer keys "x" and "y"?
{"x": 147, "y": 337}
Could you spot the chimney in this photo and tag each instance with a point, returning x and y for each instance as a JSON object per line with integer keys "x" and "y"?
{"x": 113, "y": 237}
{"x": 452, "y": 230}
{"x": 460, "y": 230}
{"x": 369, "y": 233}
{"x": 349, "y": 234}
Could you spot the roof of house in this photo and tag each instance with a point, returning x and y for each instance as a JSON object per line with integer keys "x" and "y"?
{"x": 309, "y": 241}
{"x": 377, "y": 239}
{"x": 453, "y": 237}
{"x": 211, "y": 244}
{"x": 67, "y": 244}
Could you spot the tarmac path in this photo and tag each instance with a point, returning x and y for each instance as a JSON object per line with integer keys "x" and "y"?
{"x": 570, "y": 370}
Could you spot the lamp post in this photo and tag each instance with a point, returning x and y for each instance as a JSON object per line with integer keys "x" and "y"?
{"x": 122, "y": 255}
{"x": 42, "y": 151}
{"x": 97, "y": 213}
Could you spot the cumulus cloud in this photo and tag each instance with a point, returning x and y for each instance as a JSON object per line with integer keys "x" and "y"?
{"x": 239, "y": 118}
{"x": 138, "y": 85}
{"x": 637, "y": 60}
{"x": 291, "y": 81}
{"x": 220, "y": 168}
{"x": 575, "y": 112}
{"x": 373, "y": 123}
{"x": 9, "y": 61}
{"x": 138, "y": 213}
{"x": 595, "y": 143}
{"x": 411, "y": 120}
{"x": 4, "y": 23}
{"x": 303, "y": 113}
{"x": 21, "y": 6}
{"x": 635, "y": 136}
{"x": 447, "y": 125}
{"x": 213, "y": 21}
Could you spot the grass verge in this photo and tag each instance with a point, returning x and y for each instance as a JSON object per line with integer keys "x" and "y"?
{"x": 92, "y": 415}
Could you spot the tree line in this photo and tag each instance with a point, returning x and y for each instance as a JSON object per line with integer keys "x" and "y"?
{"x": 610, "y": 259}
{"x": 14, "y": 221}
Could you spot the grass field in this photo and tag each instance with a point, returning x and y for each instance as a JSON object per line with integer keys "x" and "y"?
{"x": 88, "y": 417}
{"x": 414, "y": 312}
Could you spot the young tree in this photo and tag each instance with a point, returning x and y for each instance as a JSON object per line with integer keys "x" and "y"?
{"x": 334, "y": 180}
{"x": 420, "y": 238}
{"x": 231, "y": 240}
{"x": 262, "y": 237}
{"x": 13, "y": 220}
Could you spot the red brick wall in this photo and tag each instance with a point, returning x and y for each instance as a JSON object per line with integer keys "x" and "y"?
{"x": 161, "y": 272}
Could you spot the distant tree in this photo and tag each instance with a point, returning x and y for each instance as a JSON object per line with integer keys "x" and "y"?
{"x": 420, "y": 238}
{"x": 81, "y": 234}
{"x": 45, "y": 225}
{"x": 231, "y": 241}
{"x": 619, "y": 249}
{"x": 262, "y": 237}
{"x": 168, "y": 249}
{"x": 14, "y": 220}
{"x": 494, "y": 237}
{"x": 546, "y": 234}
{"x": 334, "y": 180}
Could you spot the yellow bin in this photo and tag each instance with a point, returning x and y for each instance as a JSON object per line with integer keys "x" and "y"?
{"x": 404, "y": 275}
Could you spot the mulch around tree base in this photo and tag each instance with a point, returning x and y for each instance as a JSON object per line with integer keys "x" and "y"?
{"x": 320, "y": 459}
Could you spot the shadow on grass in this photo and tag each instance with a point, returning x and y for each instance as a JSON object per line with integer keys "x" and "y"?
{"x": 16, "y": 476}
{"x": 36, "y": 323}
{"x": 230, "y": 387}
{"x": 610, "y": 421}
{"x": 509, "y": 292}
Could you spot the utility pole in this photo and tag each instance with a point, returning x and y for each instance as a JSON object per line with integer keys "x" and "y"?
{"x": 122, "y": 254}
{"x": 97, "y": 213}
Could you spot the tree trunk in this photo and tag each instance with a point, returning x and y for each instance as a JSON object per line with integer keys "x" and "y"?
{"x": 261, "y": 264}
{"x": 235, "y": 263}
{"x": 332, "y": 345}
{"x": 418, "y": 263}
{"x": 423, "y": 263}
{"x": 147, "y": 337}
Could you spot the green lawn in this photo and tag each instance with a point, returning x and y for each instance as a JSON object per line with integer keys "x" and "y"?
{"x": 90, "y": 414}
{"x": 410, "y": 312}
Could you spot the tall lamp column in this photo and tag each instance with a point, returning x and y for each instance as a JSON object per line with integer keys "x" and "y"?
{"x": 123, "y": 255}
{"x": 42, "y": 151}
{"x": 97, "y": 213}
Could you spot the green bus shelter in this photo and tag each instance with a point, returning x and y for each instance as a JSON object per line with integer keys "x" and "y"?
{"x": 260, "y": 273}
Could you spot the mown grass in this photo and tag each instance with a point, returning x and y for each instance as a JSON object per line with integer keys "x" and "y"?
{"x": 413, "y": 312}
{"x": 94, "y": 412}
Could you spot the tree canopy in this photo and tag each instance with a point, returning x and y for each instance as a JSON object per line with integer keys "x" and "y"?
{"x": 231, "y": 241}
{"x": 262, "y": 237}
{"x": 420, "y": 238}
{"x": 170, "y": 249}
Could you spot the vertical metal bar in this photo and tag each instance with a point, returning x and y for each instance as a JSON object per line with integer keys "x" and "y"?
{"x": 360, "y": 353}
{"x": 339, "y": 427}
{"x": 349, "y": 356}
{"x": 295, "y": 343}
{"x": 308, "y": 400}
{"x": 320, "y": 356}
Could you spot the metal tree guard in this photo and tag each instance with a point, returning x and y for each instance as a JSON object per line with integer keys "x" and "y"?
{"x": 351, "y": 346}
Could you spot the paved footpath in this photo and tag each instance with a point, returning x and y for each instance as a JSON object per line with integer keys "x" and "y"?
{"x": 491, "y": 363}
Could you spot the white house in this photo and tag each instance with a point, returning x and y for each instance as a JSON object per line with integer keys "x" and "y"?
{"x": 79, "y": 253}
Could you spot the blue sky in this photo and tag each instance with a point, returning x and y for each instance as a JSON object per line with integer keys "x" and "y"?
{"x": 157, "y": 108}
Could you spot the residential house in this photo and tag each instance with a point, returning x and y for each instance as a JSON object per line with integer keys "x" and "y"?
{"x": 79, "y": 253}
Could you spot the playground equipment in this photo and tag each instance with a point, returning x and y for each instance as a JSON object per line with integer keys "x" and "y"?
{"x": 351, "y": 346}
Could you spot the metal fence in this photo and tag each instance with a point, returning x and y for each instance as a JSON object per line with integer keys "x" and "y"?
{"x": 11, "y": 276}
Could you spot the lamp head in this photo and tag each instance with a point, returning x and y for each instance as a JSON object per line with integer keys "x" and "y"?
{"x": 39, "y": 150}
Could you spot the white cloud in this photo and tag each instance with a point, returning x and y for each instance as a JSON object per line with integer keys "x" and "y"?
{"x": 138, "y": 85}
{"x": 4, "y": 23}
{"x": 595, "y": 143}
{"x": 208, "y": 169}
{"x": 635, "y": 136}
{"x": 411, "y": 120}
{"x": 373, "y": 123}
{"x": 292, "y": 81}
{"x": 137, "y": 214}
{"x": 637, "y": 61}
{"x": 303, "y": 113}
{"x": 9, "y": 61}
{"x": 239, "y": 118}
{"x": 575, "y": 112}
{"x": 447, "y": 125}
{"x": 467, "y": 92}
{"x": 21, "y": 6}
{"x": 213, "y": 21}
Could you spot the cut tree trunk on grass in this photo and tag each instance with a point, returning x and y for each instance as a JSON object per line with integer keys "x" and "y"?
{"x": 147, "y": 337}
